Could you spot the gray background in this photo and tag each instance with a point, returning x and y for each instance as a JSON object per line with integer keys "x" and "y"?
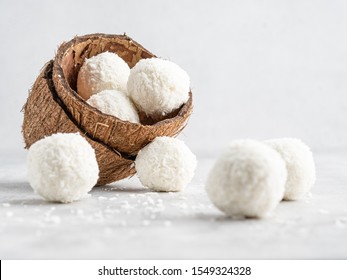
{"x": 258, "y": 69}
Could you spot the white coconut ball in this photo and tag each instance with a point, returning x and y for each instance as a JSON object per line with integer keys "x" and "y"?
{"x": 158, "y": 86}
{"x": 62, "y": 167}
{"x": 247, "y": 180}
{"x": 104, "y": 71}
{"x": 300, "y": 166}
{"x": 115, "y": 103}
{"x": 166, "y": 164}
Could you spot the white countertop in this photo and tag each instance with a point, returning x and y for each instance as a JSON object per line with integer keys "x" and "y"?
{"x": 125, "y": 221}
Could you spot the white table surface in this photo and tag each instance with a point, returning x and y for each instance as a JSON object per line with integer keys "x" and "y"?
{"x": 125, "y": 221}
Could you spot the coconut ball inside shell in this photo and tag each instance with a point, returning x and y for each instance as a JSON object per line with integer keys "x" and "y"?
{"x": 115, "y": 103}
{"x": 247, "y": 180}
{"x": 101, "y": 72}
{"x": 166, "y": 164}
{"x": 62, "y": 167}
{"x": 300, "y": 166}
{"x": 158, "y": 86}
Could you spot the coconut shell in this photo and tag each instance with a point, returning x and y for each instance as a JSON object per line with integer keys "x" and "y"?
{"x": 54, "y": 106}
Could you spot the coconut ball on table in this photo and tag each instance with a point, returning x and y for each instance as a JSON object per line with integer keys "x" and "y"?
{"x": 300, "y": 166}
{"x": 62, "y": 167}
{"x": 166, "y": 164}
{"x": 158, "y": 86}
{"x": 247, "y": 180}
{"x": 115, "y": 103}
{"x": 103, "y": 71}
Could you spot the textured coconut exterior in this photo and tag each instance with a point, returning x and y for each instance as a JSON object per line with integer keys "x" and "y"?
{"x": 44, "y": 115}
{"x": 54, "y": 106}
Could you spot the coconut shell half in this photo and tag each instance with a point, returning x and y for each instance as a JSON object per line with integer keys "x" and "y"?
{"x": 54, "y": 106}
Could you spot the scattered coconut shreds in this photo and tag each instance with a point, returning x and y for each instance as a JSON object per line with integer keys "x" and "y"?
{"x": 125, "y": 205}
{"x": 146, "y": 209}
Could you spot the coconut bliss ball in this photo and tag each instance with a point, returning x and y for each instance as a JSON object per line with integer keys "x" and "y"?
{"x": 157, "y": 86}
{"x": 300, "y": 166}
{"x": 166, "y": 164}
{"x": 62, "y": 167}
{"x": 115, "y": 103}
{"x": 247, "y": 180}
{"x": 103, "y": 71}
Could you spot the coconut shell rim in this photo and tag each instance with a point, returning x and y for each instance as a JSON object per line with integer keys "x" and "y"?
{"x": 59, "y": 77}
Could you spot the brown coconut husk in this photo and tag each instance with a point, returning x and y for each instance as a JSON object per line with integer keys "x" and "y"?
{"x": 54, "y": 106}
